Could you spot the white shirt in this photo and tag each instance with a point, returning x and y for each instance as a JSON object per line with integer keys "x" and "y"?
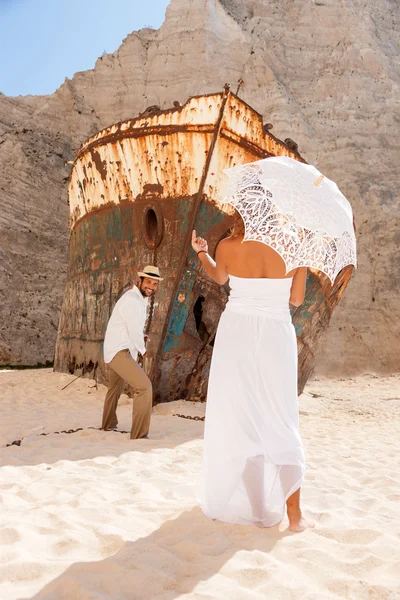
{"x": 126, "y": 325}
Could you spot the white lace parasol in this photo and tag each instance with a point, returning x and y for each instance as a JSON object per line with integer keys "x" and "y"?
{"x": 291, "y": 207}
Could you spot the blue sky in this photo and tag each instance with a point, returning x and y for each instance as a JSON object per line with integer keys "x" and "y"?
{"x": 44, "y": 41}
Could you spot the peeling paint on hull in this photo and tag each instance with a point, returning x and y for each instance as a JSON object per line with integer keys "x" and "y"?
{"x": 136, "y": 189}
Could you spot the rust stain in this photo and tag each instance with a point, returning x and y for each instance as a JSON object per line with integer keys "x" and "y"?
{"x": 101, "y": 165}
{"x": 153, "y": 188}
{"x": 113, "y": 137}
{"x": 137, "y": 188}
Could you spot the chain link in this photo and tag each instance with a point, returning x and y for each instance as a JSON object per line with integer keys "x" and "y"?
{"x": 196, "y": 418}
{"x": 19, "y": 442}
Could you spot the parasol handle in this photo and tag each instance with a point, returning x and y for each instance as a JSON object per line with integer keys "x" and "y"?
{"x": 319, "y": 180}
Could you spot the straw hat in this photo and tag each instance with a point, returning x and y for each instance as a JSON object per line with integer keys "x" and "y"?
{"x": 151, "y": 272}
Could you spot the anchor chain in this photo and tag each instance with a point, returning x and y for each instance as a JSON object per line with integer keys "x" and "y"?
{"x": 196, "y": 418}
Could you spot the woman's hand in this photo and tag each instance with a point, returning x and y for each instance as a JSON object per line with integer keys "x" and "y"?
{"x": 218, "y": 273}
{"x": 198, "y": 243}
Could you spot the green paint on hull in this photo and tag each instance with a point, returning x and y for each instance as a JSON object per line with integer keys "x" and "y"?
{"x": 314, "y": 298}
{"x": 180, "y": 311}
{"x": 208, "y": 217}
{"x": 96, "y": 243}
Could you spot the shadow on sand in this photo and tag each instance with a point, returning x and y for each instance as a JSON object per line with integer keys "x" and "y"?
{"x": 183, "y": 554}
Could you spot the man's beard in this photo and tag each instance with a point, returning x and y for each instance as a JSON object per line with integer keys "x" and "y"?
{"x": 145, "y": 295}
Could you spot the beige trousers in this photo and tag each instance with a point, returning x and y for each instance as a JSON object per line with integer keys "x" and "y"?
{"x": 124, "y": 368}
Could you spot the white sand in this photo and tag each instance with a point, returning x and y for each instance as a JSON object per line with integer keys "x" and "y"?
{"x": 94, "y": 515}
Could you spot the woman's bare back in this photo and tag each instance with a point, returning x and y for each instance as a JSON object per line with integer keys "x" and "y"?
{"x": 252, "y": 259}
{"x": 248, "y": 260}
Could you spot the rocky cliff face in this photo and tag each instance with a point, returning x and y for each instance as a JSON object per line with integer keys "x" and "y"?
{"x": 325, "y": 73}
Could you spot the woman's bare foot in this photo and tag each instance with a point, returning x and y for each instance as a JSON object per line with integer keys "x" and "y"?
{"x": 296, "y": 520}
{"x": 298, "y": 523}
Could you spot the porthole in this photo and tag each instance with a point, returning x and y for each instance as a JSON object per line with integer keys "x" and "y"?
{"x": 152, "y": 224}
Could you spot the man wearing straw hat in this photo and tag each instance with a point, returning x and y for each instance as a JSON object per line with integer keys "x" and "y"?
{"x": 123, "y": 342}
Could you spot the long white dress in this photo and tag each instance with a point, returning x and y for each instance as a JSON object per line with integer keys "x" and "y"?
{"x": 253, "y": 455}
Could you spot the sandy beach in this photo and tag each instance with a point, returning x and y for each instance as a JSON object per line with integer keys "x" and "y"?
{"x": 94, "y": 515}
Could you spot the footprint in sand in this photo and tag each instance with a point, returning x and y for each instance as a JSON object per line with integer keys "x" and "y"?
{"x": 66, "y": 546}
{"x": 394, "y": 497}
{"x": 26, "y": 571}
{"x": 9, "y": 535}
{"x": 350, "y": 536}
{"x": 7, "y": 486}
{"x": 109, "y": 544}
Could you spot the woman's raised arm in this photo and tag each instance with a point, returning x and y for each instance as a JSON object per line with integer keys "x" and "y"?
{"x": 216, "y": 269}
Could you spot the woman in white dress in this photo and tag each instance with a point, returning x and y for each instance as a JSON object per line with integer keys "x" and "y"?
{"x": 253, "y": 456}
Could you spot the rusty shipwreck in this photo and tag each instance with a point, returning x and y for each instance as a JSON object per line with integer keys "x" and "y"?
{"x": 137, "y": 190}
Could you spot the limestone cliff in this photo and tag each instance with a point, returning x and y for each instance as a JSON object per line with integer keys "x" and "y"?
{"x": 324, "y": 72}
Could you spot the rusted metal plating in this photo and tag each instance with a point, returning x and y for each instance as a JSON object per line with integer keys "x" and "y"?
{"x": 137, "y": 189}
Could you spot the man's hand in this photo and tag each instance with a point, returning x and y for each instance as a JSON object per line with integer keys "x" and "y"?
{"x": 198, "y": 243}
